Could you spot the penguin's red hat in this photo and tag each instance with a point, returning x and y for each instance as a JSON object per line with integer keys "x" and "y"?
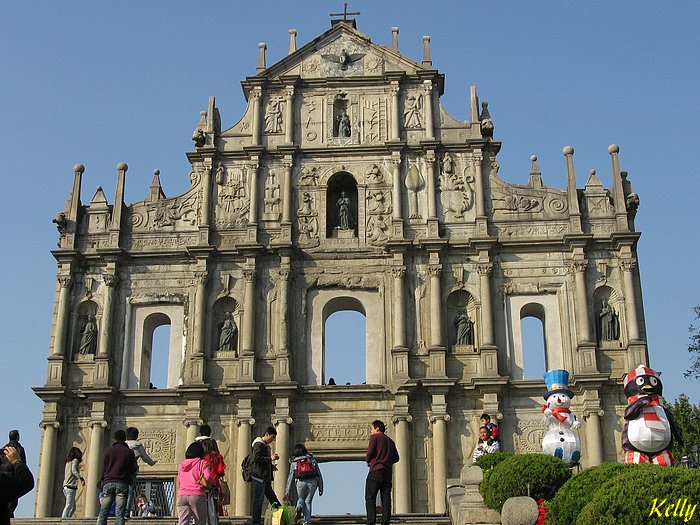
{"x": 641, "y": 370}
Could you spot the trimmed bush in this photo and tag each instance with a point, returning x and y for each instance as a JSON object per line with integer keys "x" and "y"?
{"x": 643, "y": 495}
{"x": 567, "y": 504}
{"x": 487, "y": 462}
{"x": 543, "y": 474}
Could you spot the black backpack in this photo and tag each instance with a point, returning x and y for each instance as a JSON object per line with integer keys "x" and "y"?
{"x": 247, "y": 467}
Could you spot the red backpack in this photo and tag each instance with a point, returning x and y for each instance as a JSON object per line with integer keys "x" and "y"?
{"x": 305, "y": 468}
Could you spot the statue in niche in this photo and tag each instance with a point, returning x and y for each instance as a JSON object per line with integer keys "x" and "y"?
{"x": 228, "y": 334}
{"x": 465, "y": 329}
{"x": 273, "y": 117}
{"x": 88, "y": 339}
{"x": 343, "y": 207}
{"x": 608, "y": 323}
{"x": 344, "y": 125}
{"x": 412, "y": 115}
{"x": 309, "y": 177}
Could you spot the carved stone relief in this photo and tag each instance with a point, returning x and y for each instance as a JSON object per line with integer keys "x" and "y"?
{"x": 415, "y": 182}
{"x": 528, "y": 435}
{"x": 413, "y": 110}
{"x": 374, "y": 120}
{"x": 233, "y": 203}
{"x": 456, "y": 192}
{"x": 307, "y": 218}
{"x": 312, "y": 117}
{"x": 273, "y": 115}
{"x": 342, "y": 58}
{"x": 272, "y": 198}
{"x": 160, "y": 444}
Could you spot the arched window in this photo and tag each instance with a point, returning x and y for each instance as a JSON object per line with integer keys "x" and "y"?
{"x": 533, "y": 340}
{"x": 341, "y": 205}
{"x": 155, "y": 351}
{"x": 344, "y": 343}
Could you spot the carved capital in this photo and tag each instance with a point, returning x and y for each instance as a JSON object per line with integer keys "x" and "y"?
{"x": 50, "y": 424}
{"x": 396, "y": 160}
{"x": 578, "y": 266}
{"x": 396, "y": 418}
{"x": 256, "y": 93}
{"x": 65, "y": 281}
{"x": 245, "y": 421}
{"x": 193, "y": 422}
{"x": 428, "y": 87}
{"x": 484, "y": 268}
{"x": 439, "y": 417}
{"x": 285, "y": 273}
{"x": 628, "y": 265}
{"x": 398, "y": 272}
{"x": 588, "y": 412}
{"x": 201, "y": 277}
{"x": 98, "y": 423}
{"x": 395, "y": 89}
{"x": 434, "y": 270}
{"x": 276, "y": 420}
{"x": 249, "y": 275}
{"x": 110, "y": 280}
{"x": 289, "y": 92}
{"x": 430, "y": 156}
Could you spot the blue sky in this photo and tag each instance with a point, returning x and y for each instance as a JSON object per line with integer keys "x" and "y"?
{"x": 101, "y": 83}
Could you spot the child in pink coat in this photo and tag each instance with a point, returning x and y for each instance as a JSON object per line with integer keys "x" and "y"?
{"x": 191, "y": 497}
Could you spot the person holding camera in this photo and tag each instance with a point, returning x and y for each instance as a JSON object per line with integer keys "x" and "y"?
{"x": 15, "y": 480}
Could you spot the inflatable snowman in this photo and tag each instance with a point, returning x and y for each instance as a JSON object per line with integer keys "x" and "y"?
{"x": 560, "y": 440}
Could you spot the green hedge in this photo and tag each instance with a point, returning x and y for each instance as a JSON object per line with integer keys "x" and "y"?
{"x": 637, "y": 497}
{"x": 487, "y": 462}
{"x": 511, "y": 477}
{"x": 567, "y": 503}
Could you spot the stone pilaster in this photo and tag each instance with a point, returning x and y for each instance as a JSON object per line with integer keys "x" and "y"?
{"x": 57, "y": 358}
{"x": 399, "y": 352}
{"x": 255, "y": 97}
{"x": 397, "y": 213}
{"x": 289, "y": 114}
{"x": 439, "y": 421}
{"x": 594, "y": 437}
{"x": 431, "y": 184}
{"x": 627, "y": 266}
{"x": 101, "y": 376}
{"x": 286, "y": 223}
{"x": 206, "y": 202}
{"x": 253, "y": 170}
{"x": 395, "y": 118}
{"x": 429, "y": 128}
{"x": 477, "y": 159}
{"x": 248, "y": 336}
{"x": 282, "y": 425}
{"x": 282, "y": 372}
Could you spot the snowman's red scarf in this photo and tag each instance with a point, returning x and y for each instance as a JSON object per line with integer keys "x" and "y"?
{"x": 558, "y": 412}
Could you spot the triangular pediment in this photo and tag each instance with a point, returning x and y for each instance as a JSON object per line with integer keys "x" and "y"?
{"x": 342, "y": 51}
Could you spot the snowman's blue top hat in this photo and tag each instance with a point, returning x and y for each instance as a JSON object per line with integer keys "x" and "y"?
{"x": 557, "y": 382}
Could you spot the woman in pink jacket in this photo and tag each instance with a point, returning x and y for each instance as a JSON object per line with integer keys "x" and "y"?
{"x": 191, "y": 497}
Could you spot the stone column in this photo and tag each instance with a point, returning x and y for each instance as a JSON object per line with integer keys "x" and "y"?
{"x": 248, "y": 339}
{"x": 282, "y": 448}
{"x": 243, "y": 447}
{"x": 255, "y": 96}
{"x": 402, "y": 500}
{"x": 289, "y": 115}
{"x": 434, "y": 270}
{"x": 481, "y": 222}
{"x": 630, "y": 301}
{"x": 94, "y": 467}
{"x": 44, "y": 489}
{"x": 439, "y": 461}
{"x": 594, "y": 438}
{"x": 253, "y": 212}
{"x": 584, "y": 332}
{"x": 200, "y": 313}
{"x": 110, "y": 282}
{"x": 429, "y": 128}
{"x": 430, "y": 167}
{"x": 395, "y": 118}
{"x": 282, "y": 368}
{"x": 396, "y": 186}
{"x": 399, "y": 307}
{"x": 63, "y": 304}
{"x": 484, "y": 270}
{"x": 192, "y": 430}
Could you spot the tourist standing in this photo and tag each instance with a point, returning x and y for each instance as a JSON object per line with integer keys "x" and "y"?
{"x": 381, "y": 456}
{"x": 118, "y": 471}
{"x": 485, "y": 445}
{"x": 262, "y": 473}
{"x": 218, "y": 467}
{"x": 192, "y": 474}
{"x": 14, "y": 442}
{"x": 71, "y": 477}
{"x": 132, "y": 436}
{"x": 307, "y": 474}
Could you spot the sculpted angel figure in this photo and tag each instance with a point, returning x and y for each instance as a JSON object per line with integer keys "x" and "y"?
{"x": 412, "y": 114}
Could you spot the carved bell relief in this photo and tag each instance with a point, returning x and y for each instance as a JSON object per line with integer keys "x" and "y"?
{"x": 414, "y": 183}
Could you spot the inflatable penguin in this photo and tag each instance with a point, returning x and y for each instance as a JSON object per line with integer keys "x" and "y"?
{"x": 560, "y": 440}
{"x": 649, "y": 428}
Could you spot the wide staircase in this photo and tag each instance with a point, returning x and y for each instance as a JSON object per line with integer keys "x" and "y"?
{"x": 346, "y": 519}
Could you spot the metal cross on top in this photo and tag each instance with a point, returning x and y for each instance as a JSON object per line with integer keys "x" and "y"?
{"x": 345, "y": 13}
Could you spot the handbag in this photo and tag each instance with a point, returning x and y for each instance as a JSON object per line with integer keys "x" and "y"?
{"x": 224, "y": 493}
{"x": 203, "y": 481}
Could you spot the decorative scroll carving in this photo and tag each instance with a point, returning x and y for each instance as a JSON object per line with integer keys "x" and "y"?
{"x": 527, "y": 438}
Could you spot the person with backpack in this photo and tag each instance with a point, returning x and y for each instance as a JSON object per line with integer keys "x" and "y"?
{"x": 305, "y": 470}
{"x": 218, "y": 468}
{"x": 15, "y": 480}
{"x": 261, "y": 459}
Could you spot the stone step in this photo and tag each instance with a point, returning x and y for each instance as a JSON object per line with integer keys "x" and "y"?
{"x": 345, "y": 519}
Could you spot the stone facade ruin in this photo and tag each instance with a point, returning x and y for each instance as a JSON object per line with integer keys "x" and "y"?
{"x": 345, "y": 185}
